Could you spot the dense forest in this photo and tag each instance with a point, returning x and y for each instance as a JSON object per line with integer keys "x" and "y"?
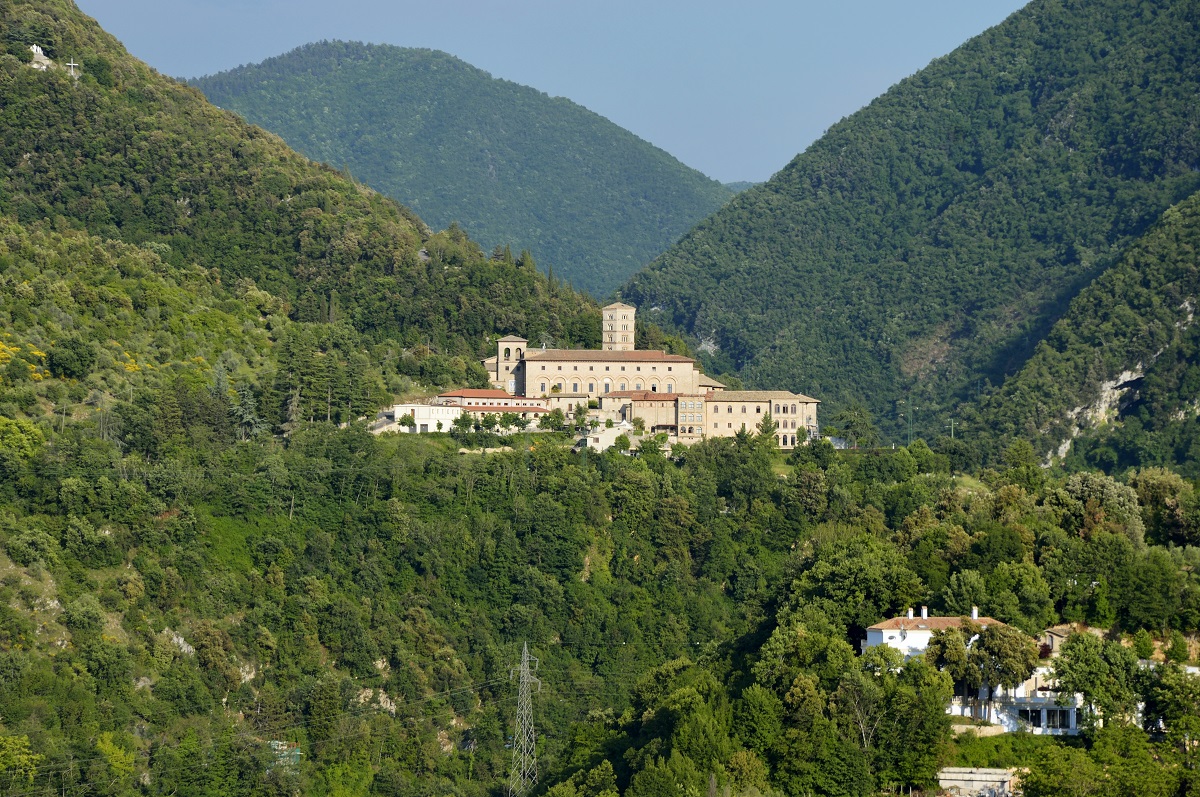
{"x": 1115, "y": 384}
{"x": 215, "y": 581}
{"x": 921, "y": 249}
{"x": 507, "y": 162}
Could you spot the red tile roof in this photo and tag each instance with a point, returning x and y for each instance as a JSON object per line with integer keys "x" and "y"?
{"x": 472, "y": 392}
{"x": 603, "y": 355}
{"x": 928, "y": 623}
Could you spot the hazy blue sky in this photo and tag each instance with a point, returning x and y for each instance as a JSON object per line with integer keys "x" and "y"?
{"x": 733, "y": 88}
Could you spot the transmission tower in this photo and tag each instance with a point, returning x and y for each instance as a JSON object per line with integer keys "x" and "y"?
{"x": 523, "y": 776}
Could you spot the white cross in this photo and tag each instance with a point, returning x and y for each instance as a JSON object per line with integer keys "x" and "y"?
{"x": 72, "y": 65}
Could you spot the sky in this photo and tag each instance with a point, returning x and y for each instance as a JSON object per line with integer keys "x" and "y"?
{"x": 735, "y": 89}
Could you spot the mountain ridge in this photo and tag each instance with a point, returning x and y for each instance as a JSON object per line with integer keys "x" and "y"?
{"x": 924, "y": 244}
{"x": 507, "y": 162}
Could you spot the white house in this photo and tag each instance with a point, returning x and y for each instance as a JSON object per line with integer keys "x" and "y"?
{"x": 1033, "y": 705}
{"x": 426, "y": 418}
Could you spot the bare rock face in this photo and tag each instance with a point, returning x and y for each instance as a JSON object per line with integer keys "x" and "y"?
{"x": 40, "y": 61}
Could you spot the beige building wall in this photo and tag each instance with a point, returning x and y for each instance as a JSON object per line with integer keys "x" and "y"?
{"x": 598, "y": 373}
{"x": 617, "y": 327}
{"x": 730, "y": 411}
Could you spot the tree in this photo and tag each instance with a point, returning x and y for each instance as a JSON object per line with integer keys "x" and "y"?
{"x": 1105, "y": 673}
{"x": 977, "y": 656}
{"x": 18, "y": 765}
{"x": 553, "y": 420}
{"x": 72, "y": 358}
{"x": 463, "y": 423}
{"x": 855, "y": 423}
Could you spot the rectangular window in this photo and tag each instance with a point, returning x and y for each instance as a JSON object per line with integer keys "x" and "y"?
{"x": 591, "y": 387}
{"x": 639, "y": 367}
{"x": 668, "y": 368}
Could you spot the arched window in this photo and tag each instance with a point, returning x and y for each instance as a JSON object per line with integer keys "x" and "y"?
{"x": 519, "y": 354}
{"x": 743, "y": 409}
{"x": 776, "y": 409}
{"x": 507, "y": 352}
{"x": 730, "y": 408}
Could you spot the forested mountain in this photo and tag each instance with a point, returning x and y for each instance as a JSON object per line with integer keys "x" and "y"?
{"x": 1118, "y": 378}
{"x": 215, "y": 581}
{"x": 924, "y": 245}
{"x": 507, "y": 162}
{"x": 129, "y": 155}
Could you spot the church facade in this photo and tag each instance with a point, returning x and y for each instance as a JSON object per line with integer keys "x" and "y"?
{"x": 668, "y": 392}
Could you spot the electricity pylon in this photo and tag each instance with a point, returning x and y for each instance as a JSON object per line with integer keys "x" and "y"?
{"x": 523, "y": 776}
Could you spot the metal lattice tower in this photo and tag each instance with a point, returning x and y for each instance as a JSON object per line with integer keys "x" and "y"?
{"x": 523, "y": 776}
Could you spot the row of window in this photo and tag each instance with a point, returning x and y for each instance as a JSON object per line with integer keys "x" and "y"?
{"x": 606, "y": 368}
{"x": 1055, "y": 717}
{"x": 607, "y": 387}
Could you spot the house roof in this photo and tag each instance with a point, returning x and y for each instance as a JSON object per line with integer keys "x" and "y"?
{"x": 929, "y": 623}
{"x": 619, "y": 306}
{"x": 650, "y": 394}
{"x": 708, "y": 381}
{"x": 513, "y": 339}
{"x": 761, "y": 395}
{"x": 473, "y": 392}
{"x": 603, "y": 355}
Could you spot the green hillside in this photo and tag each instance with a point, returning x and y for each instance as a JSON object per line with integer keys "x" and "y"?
{"x": 507, "y": 162}
{"x": 924, "y": 245}
{"x": 215, "y": 581}
{"x": 1119, "y": 374}
{"x": 129, "y": 155}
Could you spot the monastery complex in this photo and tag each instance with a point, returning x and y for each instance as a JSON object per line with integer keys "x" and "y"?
{"x": 617, "y": 382}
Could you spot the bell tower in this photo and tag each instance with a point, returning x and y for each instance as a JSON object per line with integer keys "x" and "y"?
{"x": 617, "y": 327}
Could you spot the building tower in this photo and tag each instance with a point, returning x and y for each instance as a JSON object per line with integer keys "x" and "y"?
{"x": 523, "y": 776}
{"x": 617, "y": 327}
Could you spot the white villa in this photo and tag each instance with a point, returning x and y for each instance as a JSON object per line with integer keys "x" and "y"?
{"x": 1033, "y": 705}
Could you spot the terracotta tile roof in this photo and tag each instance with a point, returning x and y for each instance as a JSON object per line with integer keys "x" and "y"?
{"x": 473, "y": 392}
{"x": 928, "y": 623}
{"x": 603, "y": 355}
{"x": 760, "y": 395}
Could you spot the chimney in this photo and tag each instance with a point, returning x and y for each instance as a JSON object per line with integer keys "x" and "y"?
{"x": 974, "y": 612}
{"x": 924, "y": 612}
{"x": 910, "y": 612}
